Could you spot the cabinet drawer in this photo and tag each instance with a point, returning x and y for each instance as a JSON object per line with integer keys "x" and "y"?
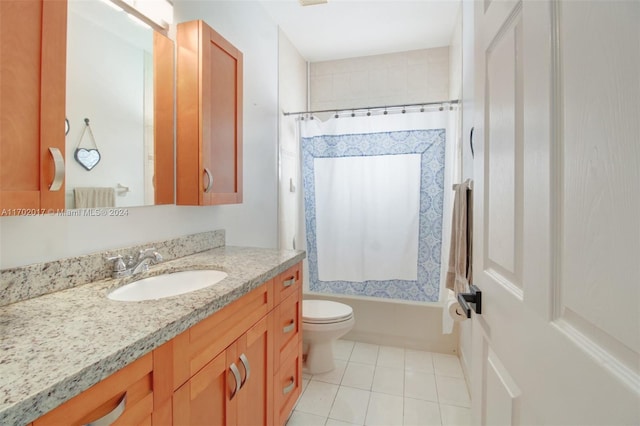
{"x": 287, "y": 384}
{"x": 288, "y": 282}
{"x": 288, "y": 325}
{"x": 197, "y": 346}
{"x": 126, "y": 396}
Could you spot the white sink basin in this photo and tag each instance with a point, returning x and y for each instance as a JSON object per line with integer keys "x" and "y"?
{"x": 166, "y": 285}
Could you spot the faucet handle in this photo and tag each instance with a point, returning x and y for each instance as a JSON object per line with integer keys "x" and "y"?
{"x": 118, "y": 263}
{"x": 145, "y": 251}
{"x": 157, "y": 256}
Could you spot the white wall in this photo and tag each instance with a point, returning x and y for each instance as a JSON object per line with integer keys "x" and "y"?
{"x": 25, "y": 240}
{"x": 467, "y": 85}
{"x": 455, "y": 59}
{"x": 292, "y": 97}
{"x": 404, "y": 77}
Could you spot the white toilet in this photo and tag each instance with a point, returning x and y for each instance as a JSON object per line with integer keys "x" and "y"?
{"x": 323, "y": 321}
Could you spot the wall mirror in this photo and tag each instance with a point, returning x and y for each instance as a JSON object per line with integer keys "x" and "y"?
{"x": 119, "y": 80}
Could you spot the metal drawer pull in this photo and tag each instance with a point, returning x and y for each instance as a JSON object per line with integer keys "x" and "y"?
{"x": 236, "y": 376}
{"x": 290, "y": 386}
{"x": 112, "y": 416}
{"x": 58, "y": 169}
{"x": 247, "y": 369}
{"x": 289, "y": 327}
{"x": 289, "y": 282}
{"x": 209, "y": 186}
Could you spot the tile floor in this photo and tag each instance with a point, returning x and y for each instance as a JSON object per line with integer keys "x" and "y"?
{"x": 382, "y": 385}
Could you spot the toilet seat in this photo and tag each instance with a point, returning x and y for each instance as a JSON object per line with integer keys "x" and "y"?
{"x": 325, "y": 312}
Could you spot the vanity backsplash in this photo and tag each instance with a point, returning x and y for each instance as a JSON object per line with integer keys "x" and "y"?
{"x": 27, "y": 282}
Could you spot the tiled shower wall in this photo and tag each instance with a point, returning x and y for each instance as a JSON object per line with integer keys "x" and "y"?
{"x": 405, "y": 77}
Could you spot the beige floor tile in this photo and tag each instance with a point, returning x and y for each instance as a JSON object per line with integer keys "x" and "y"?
{"x": 358, "y": 376}
{"x": 317, "y": 398}
{"x": 421, "y": 413}
{"x": 384, "y": 410}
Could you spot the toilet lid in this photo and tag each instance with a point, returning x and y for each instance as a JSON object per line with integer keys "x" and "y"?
{"x": 325, "y": 311}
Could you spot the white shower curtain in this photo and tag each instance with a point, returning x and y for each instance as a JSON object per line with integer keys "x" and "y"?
{"x": 367, "y": 217}
{"x": 365, "y": 223}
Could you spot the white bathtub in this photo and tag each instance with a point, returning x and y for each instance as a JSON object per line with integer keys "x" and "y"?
{"x": 413, "y": 325}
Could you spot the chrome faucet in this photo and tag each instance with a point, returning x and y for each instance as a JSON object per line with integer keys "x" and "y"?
{"x": 130, "y": 266}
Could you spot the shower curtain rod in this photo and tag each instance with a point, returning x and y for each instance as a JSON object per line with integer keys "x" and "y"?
{"x": 423, "y": 104}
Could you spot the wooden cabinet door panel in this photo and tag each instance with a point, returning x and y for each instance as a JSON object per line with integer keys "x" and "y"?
{"x": 32, "y": 101}
{"x": 209, "y": 117}
{"x": 205, "y": 398}
{"x": 255, "y": 400}
{"x": 222, "y": 117}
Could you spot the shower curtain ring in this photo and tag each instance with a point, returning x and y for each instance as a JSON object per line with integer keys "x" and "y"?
{"x": 336, "y": 116}
{"x": 353, "y": 114}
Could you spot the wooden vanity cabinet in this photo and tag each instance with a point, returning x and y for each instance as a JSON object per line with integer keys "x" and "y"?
{"x": 209, "y": 117}
{"x": 33, "y": 35}
{"x": 217, "y": 396}
{"x": 240, "y": 366}
{"x": 237, "y": 339}
{"x": 287, "y": 383}
{"x": 266, "y": 327}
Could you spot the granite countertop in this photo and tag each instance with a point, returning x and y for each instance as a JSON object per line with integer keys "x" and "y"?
{"x": 55, "y": 346}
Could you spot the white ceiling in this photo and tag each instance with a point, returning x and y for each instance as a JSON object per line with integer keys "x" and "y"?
{"x": 352, "y": 28}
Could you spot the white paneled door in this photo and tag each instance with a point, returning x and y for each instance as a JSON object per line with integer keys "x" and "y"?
{"x": 557, "y": 213}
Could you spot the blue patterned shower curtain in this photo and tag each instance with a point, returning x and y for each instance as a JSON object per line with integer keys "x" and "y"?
{"x": 410, "y": 268}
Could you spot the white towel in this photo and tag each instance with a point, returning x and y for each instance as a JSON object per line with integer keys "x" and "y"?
{"x": 94, "y": 197}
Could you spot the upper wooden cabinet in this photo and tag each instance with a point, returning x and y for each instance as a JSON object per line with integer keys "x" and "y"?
{"x": 33, "y": 35}
{"x": 209, "y": 117}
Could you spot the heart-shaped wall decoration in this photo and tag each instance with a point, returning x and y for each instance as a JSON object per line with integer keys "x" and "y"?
{"x": 88, "y": 158}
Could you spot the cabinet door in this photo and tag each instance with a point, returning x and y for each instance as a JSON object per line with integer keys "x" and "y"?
{"x": 208, "y": 398}
{"x": 255, "y": 351}
{"x": 209, "y": 116}
{"x": 32, "y": 102}
{"x": 222, "y": 118}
